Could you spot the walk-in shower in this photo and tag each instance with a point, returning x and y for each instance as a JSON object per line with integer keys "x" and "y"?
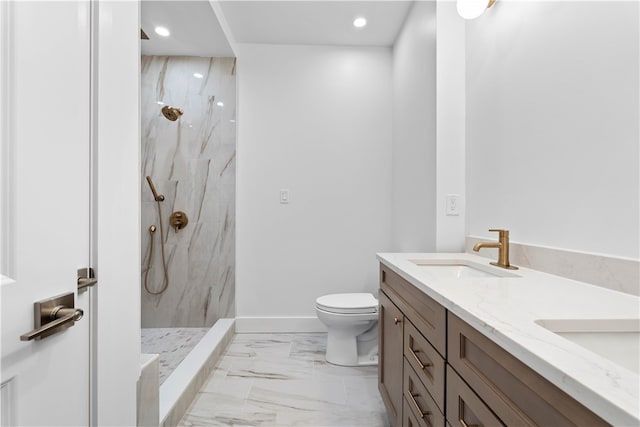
{"x": 188, "y": 209}
{"x": 188, "y": 194}
{"x": 188, "y": 169}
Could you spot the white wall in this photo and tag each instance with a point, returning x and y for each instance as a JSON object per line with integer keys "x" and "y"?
{"x": 552, "y": 124}
{"x": 314, "y": 120}
{"x": 414, "y": 132}
{"x": 450, "y": 151}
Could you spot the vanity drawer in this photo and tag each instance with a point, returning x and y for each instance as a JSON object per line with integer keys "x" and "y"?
{"x": 515, "y": 393}
{"x": 423, "y": 408}
{"x": 408, "y": 419}
{"x": 464, "y": 408}
{"x": 426, "y": 314}
{"x": 426, "y": 362}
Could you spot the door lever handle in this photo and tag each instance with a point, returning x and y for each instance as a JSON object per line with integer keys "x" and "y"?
{"x": 84, "y": 282}
{"x": 86, "y": 278}
{"x": 62, "y": 316}
{"x": 53, "y": 315}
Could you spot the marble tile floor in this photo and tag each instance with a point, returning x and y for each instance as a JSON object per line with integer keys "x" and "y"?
{"x": 279, "y": 380}
{"x": 171, "y": 344}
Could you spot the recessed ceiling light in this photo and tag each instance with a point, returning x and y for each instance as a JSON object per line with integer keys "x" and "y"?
{"x": 198, "y": 75}
{"x": 359, "y": 22}
{"x": 220, "y": 104}
{"x": 162, "y": 31}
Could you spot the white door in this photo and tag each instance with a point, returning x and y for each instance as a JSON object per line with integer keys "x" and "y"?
{"x": 45, "y": 117}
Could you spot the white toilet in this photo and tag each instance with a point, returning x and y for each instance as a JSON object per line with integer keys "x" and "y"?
{"x": 352, "y": 323}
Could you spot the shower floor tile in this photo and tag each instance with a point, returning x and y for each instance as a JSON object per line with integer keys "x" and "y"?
{"x": 283, "y": 380}
{"x": 172, "y": 345}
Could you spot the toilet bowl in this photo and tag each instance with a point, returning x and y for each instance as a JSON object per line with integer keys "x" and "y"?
{"x": 352, "y": 325}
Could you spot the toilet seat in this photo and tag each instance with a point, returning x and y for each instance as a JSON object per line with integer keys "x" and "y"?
{"x": 359, "y": 303}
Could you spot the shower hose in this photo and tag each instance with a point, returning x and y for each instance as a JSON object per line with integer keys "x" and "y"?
{"x": 152, "y": 230}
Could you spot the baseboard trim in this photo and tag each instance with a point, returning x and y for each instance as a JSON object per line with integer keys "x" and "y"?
{"x": 266, "y": 325}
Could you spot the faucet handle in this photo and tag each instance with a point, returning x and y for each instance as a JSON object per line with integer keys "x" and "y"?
{"x": 502, "y": 232}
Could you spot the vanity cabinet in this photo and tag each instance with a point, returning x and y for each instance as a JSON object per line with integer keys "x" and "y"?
{"x": 514, "y": 392}
{"x": 437, "y": 370}
{"x": 417, "y": 350}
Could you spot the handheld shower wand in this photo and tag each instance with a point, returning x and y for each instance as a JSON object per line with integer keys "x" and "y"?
{"x": 157, "y": 197}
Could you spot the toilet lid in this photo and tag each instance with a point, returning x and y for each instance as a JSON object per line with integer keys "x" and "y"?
{"x": 348, "y": 303}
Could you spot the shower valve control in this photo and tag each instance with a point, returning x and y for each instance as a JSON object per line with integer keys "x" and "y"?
{"x": 178, "y": 220}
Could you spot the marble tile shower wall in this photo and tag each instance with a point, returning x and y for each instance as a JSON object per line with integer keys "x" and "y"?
{"x": 192, "y": 163}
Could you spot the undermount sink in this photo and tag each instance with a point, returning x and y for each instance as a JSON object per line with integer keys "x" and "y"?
{"x": 459, "y": 269}
{"x": 617, "y": 340}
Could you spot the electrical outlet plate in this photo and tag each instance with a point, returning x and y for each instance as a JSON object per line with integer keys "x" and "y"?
{"x": 284, "y": 196}
{"x": 453, "y": 204}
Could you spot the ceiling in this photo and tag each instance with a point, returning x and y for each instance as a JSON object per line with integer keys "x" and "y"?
{"x": 315, "y": 22}
{"x": 195, "y": 31}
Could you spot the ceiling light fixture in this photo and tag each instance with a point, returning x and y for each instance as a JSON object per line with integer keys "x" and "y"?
{"x": 162, "y": 31}
{"x": 471, "y": 9}
{"x": 359, "y": 22}
{"x": 198, "y": 75}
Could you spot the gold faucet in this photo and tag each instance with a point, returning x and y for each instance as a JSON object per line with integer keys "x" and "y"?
{"x": 503, "y": 249}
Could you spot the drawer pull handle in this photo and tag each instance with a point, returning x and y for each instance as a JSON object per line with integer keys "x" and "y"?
{"x": 464, "y": 424}
{"x": 396, "y": 320}
{"x": 415, "y": 403}
{"x": 422, "y": 365}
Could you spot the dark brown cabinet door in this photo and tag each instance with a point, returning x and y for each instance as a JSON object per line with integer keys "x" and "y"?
{"x": 390, "y": 363}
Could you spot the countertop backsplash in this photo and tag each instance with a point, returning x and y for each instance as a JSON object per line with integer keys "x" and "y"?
{"x": 619, "y": 274}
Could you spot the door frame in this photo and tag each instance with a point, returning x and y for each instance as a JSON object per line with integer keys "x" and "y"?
{"x": 116, "y": 208}
{"x": 115, "y": 250}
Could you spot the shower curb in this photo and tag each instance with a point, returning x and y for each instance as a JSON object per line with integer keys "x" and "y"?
{"x": 184, "y": 383}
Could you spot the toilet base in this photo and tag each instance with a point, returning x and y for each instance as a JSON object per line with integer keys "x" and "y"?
{"x": 342, "y": 350}
{"x": 368, "y": 361}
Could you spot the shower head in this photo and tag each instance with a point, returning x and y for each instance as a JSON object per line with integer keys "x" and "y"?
{"x": 171, "y": 113}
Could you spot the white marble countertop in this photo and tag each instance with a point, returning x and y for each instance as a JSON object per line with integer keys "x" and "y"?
{"x": 505, "y": 310}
